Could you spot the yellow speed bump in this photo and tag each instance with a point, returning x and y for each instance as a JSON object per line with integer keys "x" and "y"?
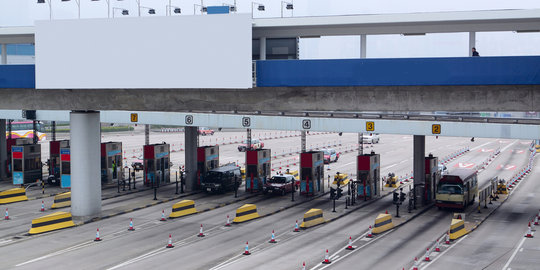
{"x": 54, "y": 221}
{"x": 183, "y": 208}
{"x": 13, "y": 195}
{"x": 313, "y": 217}
{"x": 62, "y": 200}
{"x": 246, "y": 212}
{"x": 383, "y": 223}
{"x": 457, "y": 229}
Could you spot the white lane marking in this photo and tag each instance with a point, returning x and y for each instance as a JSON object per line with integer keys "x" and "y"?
{"x": 442, "y": 253}
{"x": 514, "y": 254}
{"x": 5, "y": 241}
{"x": 57, "y": 253}
{"x": 506, "y": 147}
{"x": 474, "y": 148}
{"x": 140, "y": 258}
{"x": 521, "y": 250}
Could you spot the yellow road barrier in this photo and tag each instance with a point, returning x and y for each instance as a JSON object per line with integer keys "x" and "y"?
{"x": 457, "y": 229}
{"x": 183, "y": 208}
{"x": 52, "y": 222}
{"x": 293, "y": 173}
{"x": 313, "y": 217}
{"x": 501, "y": 189}
{"x": 62, "y": 200}
{"x": 13, "y": 195}
{"x": 383, "y": 223}
{"x": 246, "y": 212}
{"x": 392, "y": 182}
{"x": 342, "y": 178}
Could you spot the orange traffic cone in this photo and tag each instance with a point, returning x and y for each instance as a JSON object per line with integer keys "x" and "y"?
{"x": 228, "y": 224}
{"x": 42, "y": 207}
{"x": 97, "y": 236}
{"x": 201, "y": 234}
{"x": 326, "y": 259}
{"x": 370, "y": 233}
{"x": 169, "y": 244}
{"x": 162, "y": 215}
{"x": 426, "y": 257}
{"x": 246, "y": 251}
{"x": 273, "y": 238}
{"x": 350, "y": 247}
{"x": 529, "y": 233}
{"x": 296, "y": 229}
{"x": 131, "y": 225}
{"x": 6, "y": 217}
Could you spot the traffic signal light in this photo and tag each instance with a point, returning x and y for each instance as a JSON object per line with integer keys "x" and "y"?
{"x": 339, "y": 191}
{"x": 332, "y": 193}
{"x": 396, "y": 197}
{"x": 402, "y": 196}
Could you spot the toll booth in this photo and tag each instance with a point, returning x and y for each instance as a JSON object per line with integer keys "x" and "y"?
{"x": 368, "y": 176}
{"x": 9, "y": 144}
{"x": 26, "y": 162}
{"x": 428, "y": 189}
{"x": 111, "y": 162}
{"x": 54, "y": 157}
{"x": 207, "y": 159}
{"x": 65, "y": 166}
{"x": 156, "y": 164}
{"x": 311, "y": 173}
{"x": 258, "y": 169}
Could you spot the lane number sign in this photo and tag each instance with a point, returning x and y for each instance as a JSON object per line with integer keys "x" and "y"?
{"x": 436, "y": 129}
{"x": 370, "y": 126}
{"x": 134, "y": 117}
{"x": 306, "y": 124}
{"x": 189, "y": 119}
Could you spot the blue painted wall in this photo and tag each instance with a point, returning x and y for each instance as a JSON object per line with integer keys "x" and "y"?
{"x": 510, "y": 70}
{"x": 217, "y": 10}
{"x": 20, "y": 49}
{"x": 17, "y": 76}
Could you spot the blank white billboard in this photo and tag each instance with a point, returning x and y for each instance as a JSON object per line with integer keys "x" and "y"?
{"x": 204, "y": 51}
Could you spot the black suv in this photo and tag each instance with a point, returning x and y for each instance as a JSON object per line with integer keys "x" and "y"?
{"x": 222, "y": 179}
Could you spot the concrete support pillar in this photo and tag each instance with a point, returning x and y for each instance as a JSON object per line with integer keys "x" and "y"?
{"x": 419, "y": 165}
{"x": 3, "y": 149}
{"x": 262, "y": 48}
{"x": 85, "y": 163}
{"x": 472, "y": 42}
{"x": 146, "y": 134}
{"x": 303, "y": 141}
{"x": 363, "y": 44}
{"x": 190, "y": 134}
{"x": 4, "y": 55}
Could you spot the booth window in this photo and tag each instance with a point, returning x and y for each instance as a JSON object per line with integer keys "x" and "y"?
{"x": 66, "y": 168}
{"x": 17, "y": 165}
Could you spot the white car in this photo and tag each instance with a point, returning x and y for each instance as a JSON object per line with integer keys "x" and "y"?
{"x": 371, "y": 138}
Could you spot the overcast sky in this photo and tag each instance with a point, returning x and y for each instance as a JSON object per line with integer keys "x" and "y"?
{"x": 25, "y": 12}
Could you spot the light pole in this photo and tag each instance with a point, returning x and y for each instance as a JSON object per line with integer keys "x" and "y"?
{"x": 289, "y": 5}
{"x": 168, "y": 8}
{"x": 78, "y": 5}
{"x": 260, "y": 7}
{"x": 50, "y": 6}
{"x": 232, "y": 8}
{"x": 150, "y": 10}
{"x": 203, "y": 8}
{"x": 124, "y": 11}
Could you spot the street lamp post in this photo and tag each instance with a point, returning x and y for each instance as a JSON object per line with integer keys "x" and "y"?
{"x": 260, "y": 7}
{"x": 203, "y": 8}
{"x": 170, "y": 7}
{"x": 288, "y": 5}
{"x": 124, "y": 11}
{"x": 50, "y": 6}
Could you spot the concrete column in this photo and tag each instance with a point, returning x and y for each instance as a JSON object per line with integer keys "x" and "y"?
{"x": 85, "y": 163}
{"x": 363, "y": 44}
{"x": 262, "y": 48}
{"x": 472, "y": 42}
{"x": 4, "y": 55}
{"x": 419, "y": 153}
{"x": 3, "y": 149}
{"x": 190, "y": 134}
{"x": 146, "y": 134}
{"x": 303, "y": 141}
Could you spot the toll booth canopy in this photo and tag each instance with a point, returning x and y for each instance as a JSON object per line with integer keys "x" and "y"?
{"x": 111, "y": 162}
{"x": 26, "y": 162}
{"x": 311, "y": 173}
{"x": 258, "y": 169}
{"x": 54, "y": 156}
{"x": 368, "y": 175}
{"x": 207, "y": 159}
{"x": 428, "y": 189}
{"x": 156, "y": 164}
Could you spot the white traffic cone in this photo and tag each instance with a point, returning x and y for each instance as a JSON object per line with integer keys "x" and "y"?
{"x": 304, "y": 266}
{"x": 273, "y": 238}
{"x": 201, "y": 234}
{"x": 228, "y": 224}
{"x": 246, "y": 250}
{"x": 97, "y": 236}
{"x": 426, "y": 257}
{"x": 296, "y": 229}
{"x": 350, "y": 247}
{"x": 415, "y": 266}
{"x": 529, "y": 233}
{"x": 162, "y": 215}
{"x": 370, "y": 233}
{"x": 536, "y": 220}
{"x": 437, "y": 247}
{"x": 169, "y": 244}
{"x": 326, "y": 259}
{"x": 6, "y": 217}
{"x": 447, "y": 241}
{"x": 131, "y": 225}
{"x": 42, "y": 207}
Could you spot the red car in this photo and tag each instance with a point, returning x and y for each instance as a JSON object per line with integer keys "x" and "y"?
{"x": 205, "y": 131}
{"x": 280, "y": 184}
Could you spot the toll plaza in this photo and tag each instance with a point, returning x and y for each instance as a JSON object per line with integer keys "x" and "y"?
{"x": 54, "y": 157}
{"x": 26, "y": 161}
{"x": 207, "y": 159}
{"x": 111, "y": 162}
{"x": 258, "y": 169}
{"x": 433, "y": 175}
{"x": 311, "y": 173}
{"x": 368, "y": 175}
{"x": 9, "y": 143}
{"x": 65, "y": 166}
{"x": 156, "y": 163}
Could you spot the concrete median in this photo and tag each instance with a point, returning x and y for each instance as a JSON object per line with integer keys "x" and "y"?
{"x": 457, "y": 229}
{"x": 246, "y": 212}
{"x": 62, "y": 200}
{"x": 52, "y": 222}
{"x": 313, "y": 217}
{"x": 13, "y": 195}
{"x": 183, "y": 208}
{"x": 383, "y": 223}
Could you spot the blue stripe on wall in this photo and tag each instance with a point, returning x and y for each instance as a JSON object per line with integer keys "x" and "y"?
{"x": 511, "y": 70}
{"x": 217, "y": 9}
{"x": 17, "y": 76}
{"x": 20, "y": 49}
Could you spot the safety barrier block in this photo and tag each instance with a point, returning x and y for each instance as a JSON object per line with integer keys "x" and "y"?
{"x": 183, "y": 208}
{"x": 502, "y": 189}
{"x": 62, "y": 200}
{"x": 13, "y": 195}
{"x": 457, "y": 229}
{"x": 313, "y": 217}
{"x": 246, "y": 212}
{"x": 51, "y": 222}
{"x": 383, "y": 223}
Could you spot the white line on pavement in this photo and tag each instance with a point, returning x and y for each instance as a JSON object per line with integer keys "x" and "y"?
{"x": 442, "y": 253}
{"x": 514, "y": 254}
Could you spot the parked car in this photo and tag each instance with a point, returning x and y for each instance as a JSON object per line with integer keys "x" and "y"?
{"x": 330, "y": 155}
{"x": 205, "y": 131}
{"x": 222, "y": 179}
{"x": 255, "y": 144}
{"x": 371, "y": 138}
{"x": 280, "y": 184}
